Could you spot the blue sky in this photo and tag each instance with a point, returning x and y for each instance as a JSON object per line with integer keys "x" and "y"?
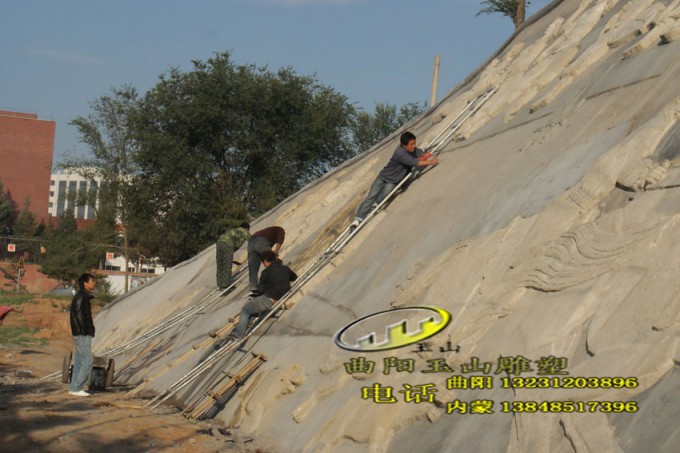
{"x": 56, "y": 56}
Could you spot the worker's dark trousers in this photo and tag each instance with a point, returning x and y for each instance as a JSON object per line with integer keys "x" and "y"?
{"x": 256, "y": 246}
{"x": 254, "y": 307}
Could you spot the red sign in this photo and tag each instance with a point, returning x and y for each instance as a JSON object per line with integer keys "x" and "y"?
{"x": 109, "y": 255}
{"x": 11, "y": 247}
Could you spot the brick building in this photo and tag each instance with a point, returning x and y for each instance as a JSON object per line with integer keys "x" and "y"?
{"x": 26, "y": 149}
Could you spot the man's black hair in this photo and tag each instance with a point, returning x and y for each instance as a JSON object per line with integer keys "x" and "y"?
{"x": 406, "y": 137}
{"x": 268, "y": 256}
{"x": 84, "y": 279}
{"x": 245, "y": 225}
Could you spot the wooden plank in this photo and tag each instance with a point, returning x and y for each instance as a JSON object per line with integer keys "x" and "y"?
{"x": 212, "y": 397}
{"x": 134, "y": 358}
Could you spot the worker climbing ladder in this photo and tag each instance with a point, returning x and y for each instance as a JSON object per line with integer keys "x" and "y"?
{"x": 435, "y": 147}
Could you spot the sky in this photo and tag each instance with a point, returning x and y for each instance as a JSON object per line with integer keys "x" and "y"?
{"x": 58, "y": 56}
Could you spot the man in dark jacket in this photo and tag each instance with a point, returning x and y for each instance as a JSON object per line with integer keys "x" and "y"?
{"x": 274, "y": 283}
{"x": 267, "y": 240}
{"x": 82, "y": 329}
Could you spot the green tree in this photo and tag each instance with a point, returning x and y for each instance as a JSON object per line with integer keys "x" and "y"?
{"x": 514, "y": 9}
{"x": 25, "y": 230}
{"x": 107, "y": 132}
{"x": 370, "y": 128}
{"x": 69, "y": 252}
{"x": 25, "y": 225}
{"x": 223, "y": 141}
{"x": 8, "y": 211}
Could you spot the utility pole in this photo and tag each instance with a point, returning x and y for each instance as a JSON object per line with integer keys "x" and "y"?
{"x": 20, "y": 268}
{"x": 435, "y": 81}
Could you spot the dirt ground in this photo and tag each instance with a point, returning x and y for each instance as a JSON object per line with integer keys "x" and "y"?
{"x": 41, "y": 416}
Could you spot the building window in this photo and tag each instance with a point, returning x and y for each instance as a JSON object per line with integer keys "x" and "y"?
{"x": 51, "y": 193}
{"x": 72, "y": 191}
{"x": 61, "y": 199}
{"x": 93, "y": 198}
{"x": 53, "y": 182}
{"x": 51, "y": 204}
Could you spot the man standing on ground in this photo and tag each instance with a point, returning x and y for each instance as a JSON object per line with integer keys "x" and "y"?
{"x": 226, "y": 245}
{"x": 274, "y": 284}
{"x": 82, "y": 329}
{"x": 267, "y": 240}
{"x": 405, "y": 157}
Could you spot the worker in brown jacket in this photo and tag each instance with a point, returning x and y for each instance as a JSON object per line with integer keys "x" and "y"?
{"x": 269, "y": 239}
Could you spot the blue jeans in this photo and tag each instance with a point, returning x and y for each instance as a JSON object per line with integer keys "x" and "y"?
{"x": 379, "y": 190}
{"x": 254, "y": 307}
{"x": 256, "y": 245}
{"x": 82, "y": 362}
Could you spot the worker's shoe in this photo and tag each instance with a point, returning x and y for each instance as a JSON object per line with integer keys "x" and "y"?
{"x": 253, "y": 294}
{"x": 79, "y": 393}
{"x": 355, "y": 223}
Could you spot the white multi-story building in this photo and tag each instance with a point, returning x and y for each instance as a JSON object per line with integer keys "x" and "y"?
{"x": 64, "y": 183}
{"x": 64, "y": 187}
{"x": 139, "y": 272}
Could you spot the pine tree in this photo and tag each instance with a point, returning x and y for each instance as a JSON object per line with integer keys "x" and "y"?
{"x": 8, "y": 212}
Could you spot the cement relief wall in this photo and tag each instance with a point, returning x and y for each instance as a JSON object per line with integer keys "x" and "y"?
{"x": 548, "y": 232}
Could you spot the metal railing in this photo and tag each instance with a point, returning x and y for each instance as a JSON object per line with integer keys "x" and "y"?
{"x": 29, "y": 249}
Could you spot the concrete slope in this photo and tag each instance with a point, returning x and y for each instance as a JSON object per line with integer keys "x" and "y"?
{"x": 548, "y": 232}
